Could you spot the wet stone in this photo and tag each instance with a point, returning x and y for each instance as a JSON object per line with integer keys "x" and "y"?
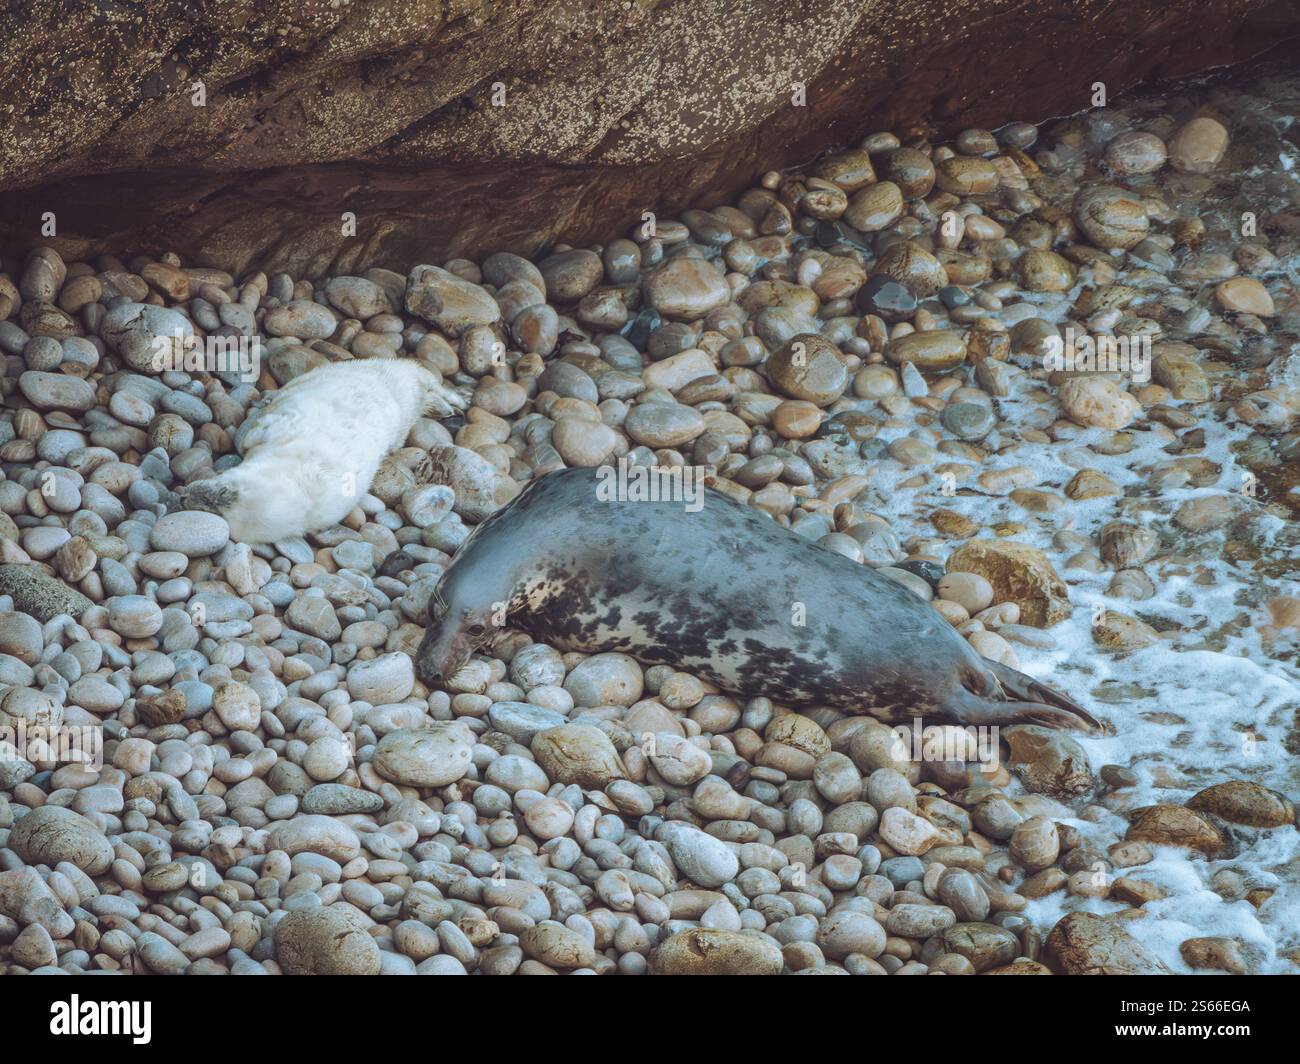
{"x": 968, "y": 421}
{"x": 685, "y": 288}
{"x": 887, "y": 298}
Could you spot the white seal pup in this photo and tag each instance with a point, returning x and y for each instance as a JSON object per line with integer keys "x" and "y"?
{"x": 312, "y": 451}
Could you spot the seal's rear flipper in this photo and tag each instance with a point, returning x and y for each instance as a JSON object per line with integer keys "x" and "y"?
{"x": 1024, "y": 688}
{"x": 1023, "y": 701}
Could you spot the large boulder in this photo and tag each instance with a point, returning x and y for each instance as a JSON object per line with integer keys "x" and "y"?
{"x": 1088, "y": 944}
{"x": 239, "y": 133}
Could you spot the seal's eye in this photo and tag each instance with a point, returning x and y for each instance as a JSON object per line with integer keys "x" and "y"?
{"x": 475, "y": 629}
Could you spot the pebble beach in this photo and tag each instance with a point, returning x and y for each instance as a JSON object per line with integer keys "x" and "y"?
{"x": 1046, "y": 377}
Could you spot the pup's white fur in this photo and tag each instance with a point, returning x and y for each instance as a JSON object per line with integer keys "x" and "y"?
{"x": 312, "y": 451}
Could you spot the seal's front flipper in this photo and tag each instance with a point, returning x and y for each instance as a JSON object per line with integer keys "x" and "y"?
{"x": 1026, "y": 690}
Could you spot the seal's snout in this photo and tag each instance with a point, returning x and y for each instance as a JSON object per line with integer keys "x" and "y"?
{"x": 429, "y": 671}
{"x": 432, "y": 673}
{"x": 441, "y": 653}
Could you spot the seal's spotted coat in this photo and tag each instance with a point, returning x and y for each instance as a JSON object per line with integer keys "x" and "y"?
{"x": 718, "y": 593}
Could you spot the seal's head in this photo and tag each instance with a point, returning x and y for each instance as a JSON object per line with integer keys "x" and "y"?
{"x": 463, "y": 616}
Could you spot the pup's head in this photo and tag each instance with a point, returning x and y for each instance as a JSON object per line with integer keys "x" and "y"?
{"x": 255, "y": 512}
{"x": 215, "y": 495}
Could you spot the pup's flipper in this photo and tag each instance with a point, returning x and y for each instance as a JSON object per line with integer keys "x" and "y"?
{"x": 442, "y": 402}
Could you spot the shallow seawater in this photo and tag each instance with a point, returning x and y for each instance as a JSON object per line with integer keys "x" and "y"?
{"x": 1219, "y": 697}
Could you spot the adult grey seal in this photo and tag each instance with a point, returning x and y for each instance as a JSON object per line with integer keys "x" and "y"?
{"x": 724, "y": 592}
